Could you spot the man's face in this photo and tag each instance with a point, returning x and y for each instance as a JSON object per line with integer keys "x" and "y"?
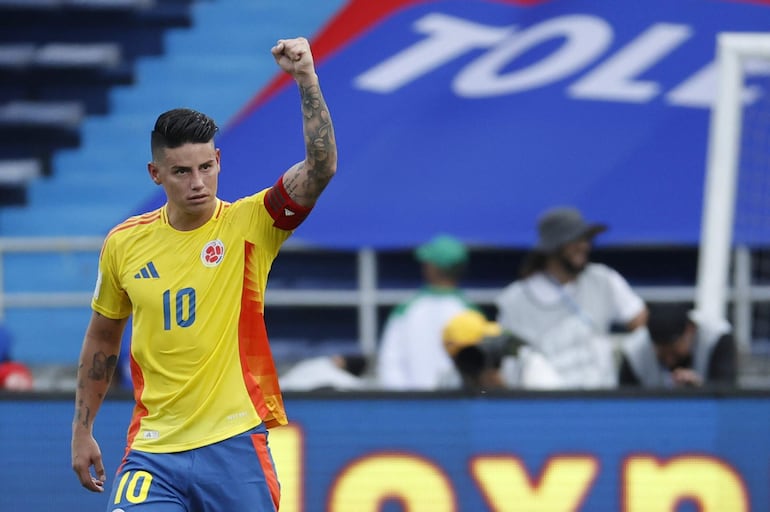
{"x": 676, "y": 354}
{"x": 574, "y": 255}
{"x": 189, "y": 175}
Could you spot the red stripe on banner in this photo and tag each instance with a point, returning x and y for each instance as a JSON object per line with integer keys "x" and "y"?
{"x": 358, "y": 16}
{"x": 352, "y": 20}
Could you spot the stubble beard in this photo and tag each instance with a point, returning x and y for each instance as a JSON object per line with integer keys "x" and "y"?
{"x": 571, "y": 268}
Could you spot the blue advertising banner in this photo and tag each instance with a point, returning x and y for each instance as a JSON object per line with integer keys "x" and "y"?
{"x": 472, "y": 117}
{"x": 389, "y": 453}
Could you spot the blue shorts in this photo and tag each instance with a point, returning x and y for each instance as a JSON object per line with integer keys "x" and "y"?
{"x": 234, "y": 474}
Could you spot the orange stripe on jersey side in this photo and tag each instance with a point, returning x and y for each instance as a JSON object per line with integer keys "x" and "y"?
{"x": 266, "y": 462}
{"x": 257, "y": 364}
{"x": 140, "y": 411}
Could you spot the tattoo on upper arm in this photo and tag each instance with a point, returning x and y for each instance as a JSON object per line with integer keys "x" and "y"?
{"x": 320, "y": 163}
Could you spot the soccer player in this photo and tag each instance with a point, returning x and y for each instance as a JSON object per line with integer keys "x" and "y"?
{"x": 192, "y": 275}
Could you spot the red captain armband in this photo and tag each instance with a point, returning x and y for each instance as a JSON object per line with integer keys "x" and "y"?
{"x": 286, "y": 213}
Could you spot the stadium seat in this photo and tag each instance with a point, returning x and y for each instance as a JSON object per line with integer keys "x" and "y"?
{"x": 139, "y": 56}
{"x": 14, "y": 176}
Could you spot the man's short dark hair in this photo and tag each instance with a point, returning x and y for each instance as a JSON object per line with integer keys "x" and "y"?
{"x": 667, "y": 322}
{"x": 180, "y": 126}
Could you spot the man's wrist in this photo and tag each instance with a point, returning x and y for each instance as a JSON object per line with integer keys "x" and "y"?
{"x": 306, "y": 81}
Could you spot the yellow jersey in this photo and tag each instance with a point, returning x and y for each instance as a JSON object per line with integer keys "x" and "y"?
{"x": 200, "y": 360}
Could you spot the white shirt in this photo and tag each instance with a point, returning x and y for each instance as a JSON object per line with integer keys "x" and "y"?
{"x": 319, "y": 373}
{"x": 411, "y": 354}
{"x": 526, "y": 370}
{"x": 639, "y": 351}
{"x": 570, "y": 324}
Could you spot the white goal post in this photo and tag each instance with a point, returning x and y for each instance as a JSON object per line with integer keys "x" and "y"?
{"x": 719, "y": 200}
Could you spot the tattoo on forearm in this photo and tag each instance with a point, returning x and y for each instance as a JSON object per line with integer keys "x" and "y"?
{"x": 103, "y": 367}
{"x": 81, "y": 384}
{"x": 83, "y": 415}
{"x": 319, "y": 142}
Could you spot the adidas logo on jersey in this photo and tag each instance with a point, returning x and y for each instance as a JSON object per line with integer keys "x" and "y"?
{"x": 147, "y": 272}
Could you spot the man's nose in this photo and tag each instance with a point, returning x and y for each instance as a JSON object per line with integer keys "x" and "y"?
{"x": 196, "y": 181}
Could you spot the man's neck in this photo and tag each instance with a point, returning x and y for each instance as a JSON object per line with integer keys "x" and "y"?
{"x": 182, "y": 221}
{"x": 556, "y": 271}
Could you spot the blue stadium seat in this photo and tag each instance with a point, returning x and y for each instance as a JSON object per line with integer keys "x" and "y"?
{"x": 101, "y": 181}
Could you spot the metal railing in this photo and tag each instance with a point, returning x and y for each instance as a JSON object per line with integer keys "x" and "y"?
{"x": 366, "y": 298}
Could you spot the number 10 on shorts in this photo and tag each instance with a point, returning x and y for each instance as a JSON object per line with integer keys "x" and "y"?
{"x": 135, "y": 485}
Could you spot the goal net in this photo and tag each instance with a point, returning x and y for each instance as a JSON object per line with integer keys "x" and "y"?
{"x": 734, "y": 260}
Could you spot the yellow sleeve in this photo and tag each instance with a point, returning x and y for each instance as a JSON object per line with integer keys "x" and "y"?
{"x": 110, "y": 299}
{"x": 263, "y": 228}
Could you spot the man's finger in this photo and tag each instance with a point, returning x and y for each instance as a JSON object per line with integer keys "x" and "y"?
{"x": 86, "y": 480}
{"x": 97, "y": 484}
{"x": 99, "y": 468}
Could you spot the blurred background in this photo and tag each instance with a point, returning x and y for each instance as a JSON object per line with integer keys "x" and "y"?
{"x": 442, "y": 128}
{"x": 466, "y": 117}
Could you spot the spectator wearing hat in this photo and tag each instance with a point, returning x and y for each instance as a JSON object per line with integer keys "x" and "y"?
{"x": 486, "y": 357}
{"x": 411, "y": 356}
{"x": 567, "y": 306}
{"x": 681, "y": 347}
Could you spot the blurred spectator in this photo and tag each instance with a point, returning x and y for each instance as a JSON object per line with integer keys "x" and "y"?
{"x": 487, "y": 358}
{"x": 566, "y": 306}
{"x": 14, "y": 375}
{"x": 680, "y": 348}
{"x": 411, "y": 355}
{"x": 341, "y": 372}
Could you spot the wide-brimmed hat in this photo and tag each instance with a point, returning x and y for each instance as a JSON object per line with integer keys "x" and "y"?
{"x": 444, "y": 251}
{"x": 562, "y": 225}
{"x": 466, "y": 329}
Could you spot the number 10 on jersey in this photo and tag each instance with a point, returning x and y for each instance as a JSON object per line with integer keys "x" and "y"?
{"x": 182, "y": 305}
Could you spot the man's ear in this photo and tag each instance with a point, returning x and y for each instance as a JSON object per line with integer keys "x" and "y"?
{"x": 153, "y": 171}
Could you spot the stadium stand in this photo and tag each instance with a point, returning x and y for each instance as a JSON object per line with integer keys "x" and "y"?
{"x": 81, "y": 81}
{"x": 94, "y": 75}
{"x": 58, "y": 60}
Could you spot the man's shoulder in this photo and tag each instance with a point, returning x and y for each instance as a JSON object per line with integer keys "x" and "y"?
{"x": 134, "y": 225}
{"x": 428, "y": 297}
{"x": 595, "y": 271}
{"x": 516, "y": 287}
{"x": 250, "y": 200}
{"x": 596, "y": 267}
{"x": 533, "y": 289}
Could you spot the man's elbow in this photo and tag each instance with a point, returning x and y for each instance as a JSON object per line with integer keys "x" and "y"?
{"x": 639, "y": 320}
